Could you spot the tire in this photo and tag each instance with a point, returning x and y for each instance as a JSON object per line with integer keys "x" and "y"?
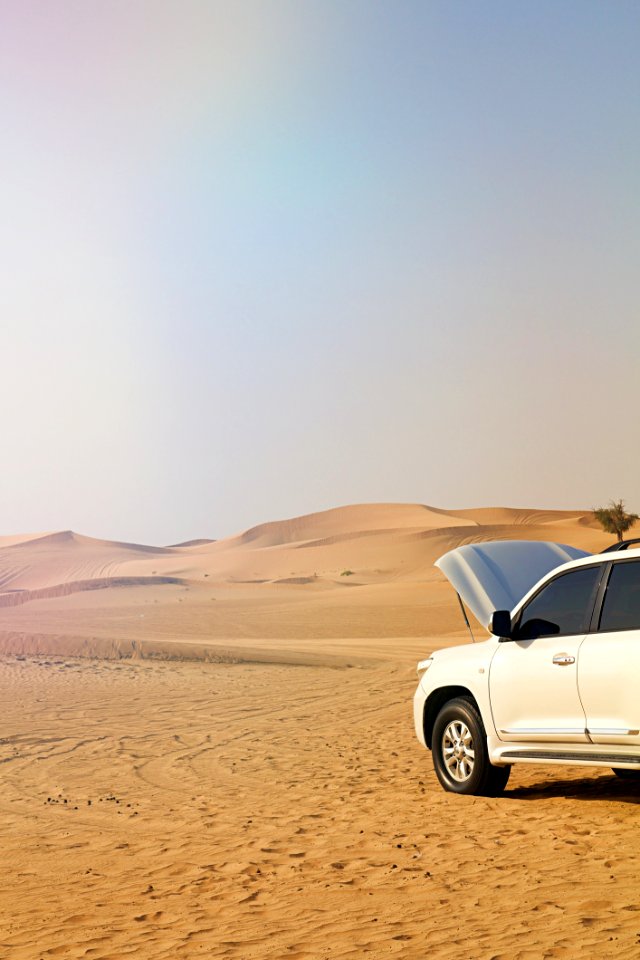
{"x": 626, "y": 774}
{"x": 459, "y": 748}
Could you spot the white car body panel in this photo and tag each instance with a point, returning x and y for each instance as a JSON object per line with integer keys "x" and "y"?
{"x": 533, "y": 698}
{"x": 611, "y": 662}
{"x": 448, "y": 666}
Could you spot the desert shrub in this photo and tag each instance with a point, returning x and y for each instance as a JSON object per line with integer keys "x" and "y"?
{"x": 614, "y": 518}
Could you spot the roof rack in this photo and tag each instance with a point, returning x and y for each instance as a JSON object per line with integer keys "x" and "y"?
{"x": 621, "y": 545}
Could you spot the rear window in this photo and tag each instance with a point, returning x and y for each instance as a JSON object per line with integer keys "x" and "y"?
{"x": 621, "y": 608}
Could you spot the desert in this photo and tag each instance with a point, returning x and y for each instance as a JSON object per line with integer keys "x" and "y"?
{"x": 296, "y": 298}
{"x": 207, "y": 749}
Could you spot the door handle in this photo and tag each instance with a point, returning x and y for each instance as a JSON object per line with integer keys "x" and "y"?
{"x": 563, "y": 659}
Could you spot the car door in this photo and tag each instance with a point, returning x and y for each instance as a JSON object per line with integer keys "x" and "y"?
{"x": 533, "y": 677}
{"x": 609, "y": 661}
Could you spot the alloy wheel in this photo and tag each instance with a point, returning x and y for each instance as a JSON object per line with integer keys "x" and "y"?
{"x": 457, "y": 750}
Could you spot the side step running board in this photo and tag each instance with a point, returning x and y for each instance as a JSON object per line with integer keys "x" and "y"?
{"x": 608, "y": 758}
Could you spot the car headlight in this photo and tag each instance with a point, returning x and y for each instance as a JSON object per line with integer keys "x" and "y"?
{"x": 423, "y": 666}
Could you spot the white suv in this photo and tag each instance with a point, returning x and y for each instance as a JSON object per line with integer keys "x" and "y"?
{"x": 559, "y": 679}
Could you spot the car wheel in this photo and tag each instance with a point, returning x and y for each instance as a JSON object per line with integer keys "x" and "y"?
{"x": 626, "y": 774}
{"x": 460, "y": 757}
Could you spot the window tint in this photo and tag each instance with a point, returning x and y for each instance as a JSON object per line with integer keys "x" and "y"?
{"x": 621, "y": 609}
{"x": 563, "y": 607}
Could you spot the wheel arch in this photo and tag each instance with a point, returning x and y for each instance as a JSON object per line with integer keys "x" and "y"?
{"x": 436, "y": 700}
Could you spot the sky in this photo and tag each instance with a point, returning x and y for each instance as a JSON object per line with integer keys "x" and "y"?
{"x": 265, "y": 257}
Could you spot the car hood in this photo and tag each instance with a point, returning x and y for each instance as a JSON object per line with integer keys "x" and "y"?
{"x": 497, "y": 575}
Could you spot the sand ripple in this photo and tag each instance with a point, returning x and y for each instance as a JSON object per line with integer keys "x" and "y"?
{"x": 260, "y": 811}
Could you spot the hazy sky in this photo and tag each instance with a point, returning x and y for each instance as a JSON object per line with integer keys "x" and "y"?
{"x": 264, "y": 258}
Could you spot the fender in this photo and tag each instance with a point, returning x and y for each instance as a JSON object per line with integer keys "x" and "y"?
{"x": 455, "y": 671}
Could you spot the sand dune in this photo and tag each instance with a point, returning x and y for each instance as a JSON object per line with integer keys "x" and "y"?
{"x": 370, "y": 517}
{"x": 355, "y": 572}
{"x": 10, "y": 541}
{"x": 496, "y": 516}
{"x": 199, "y": 542}
{"x": 65, "y": 556}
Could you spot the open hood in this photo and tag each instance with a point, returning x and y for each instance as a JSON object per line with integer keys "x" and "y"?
{"x": 497, "y": 575}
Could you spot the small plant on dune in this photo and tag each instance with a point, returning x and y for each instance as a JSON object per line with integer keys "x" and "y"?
{"x": 347, "y": 573}
{"x": 614, "y": 518}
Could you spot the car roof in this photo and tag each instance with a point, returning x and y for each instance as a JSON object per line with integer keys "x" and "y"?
{"x": 613, "y": 556}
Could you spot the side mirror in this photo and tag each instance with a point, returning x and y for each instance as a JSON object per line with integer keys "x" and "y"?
{"x": 500, "y": 624}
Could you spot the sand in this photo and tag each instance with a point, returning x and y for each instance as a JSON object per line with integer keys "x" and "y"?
{"x": 225, "y": 765}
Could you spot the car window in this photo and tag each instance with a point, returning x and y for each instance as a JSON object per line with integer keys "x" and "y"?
{"x": 621, "y": 608}
{"x": 562, "y": 607}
